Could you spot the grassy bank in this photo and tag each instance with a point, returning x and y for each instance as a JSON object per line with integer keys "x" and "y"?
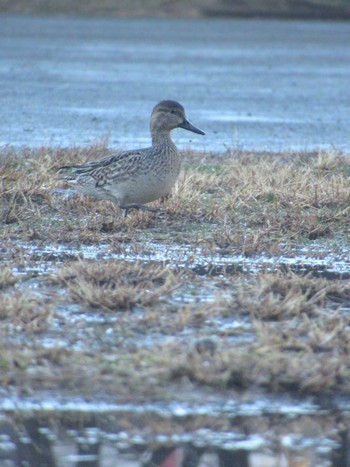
{"x": 311, "y": 9}
{"x": 160, "y": 323}
{"x": 259, "y": 201}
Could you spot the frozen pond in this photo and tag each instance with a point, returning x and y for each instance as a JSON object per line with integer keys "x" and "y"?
{"x": 261, "y": 85}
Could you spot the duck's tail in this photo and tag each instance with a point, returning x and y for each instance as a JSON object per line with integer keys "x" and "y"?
{"x": 72, "y": 172}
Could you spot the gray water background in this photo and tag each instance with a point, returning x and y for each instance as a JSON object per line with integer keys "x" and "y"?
{"x": 250, "y": 84}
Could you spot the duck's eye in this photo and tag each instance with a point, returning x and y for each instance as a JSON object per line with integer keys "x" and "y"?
{"x": 173, "y": 111}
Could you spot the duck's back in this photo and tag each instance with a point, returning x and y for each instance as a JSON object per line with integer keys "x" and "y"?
{"x": 132, "y": 177}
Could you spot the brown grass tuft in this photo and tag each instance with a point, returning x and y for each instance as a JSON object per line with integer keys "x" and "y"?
{"x": 278, "y": 295}
{"x": 25, "y": 312}
{"x": 7, "y": 279}
{"x": 114, "y": 285}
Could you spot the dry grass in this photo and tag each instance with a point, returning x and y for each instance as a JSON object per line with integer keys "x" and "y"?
{"x": 276, "y": 296}
{"x": 300, "y": 339}
{"x": 170, "y": 332}
{"x": 7, "y": 278}
{"x": 117, "y": 285}
{"x": 18, "y": 311}
{"x": 301, "y": 343}
{"x": 257, "y": 200}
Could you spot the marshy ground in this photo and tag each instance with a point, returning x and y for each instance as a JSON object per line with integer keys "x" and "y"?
{"x": 236, "y": 290}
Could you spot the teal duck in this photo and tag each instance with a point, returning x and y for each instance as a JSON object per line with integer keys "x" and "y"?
{"x": 134, "y": 178}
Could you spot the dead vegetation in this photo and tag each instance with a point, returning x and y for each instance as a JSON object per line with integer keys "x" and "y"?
{"x": 20, "y": 311}
{"x": 181, "y": 323}
{"x": 116, "y": 285}
{"x": 276, "y": 296}
{"x": 250, "y": 203}
{"x": 7, "y": 278}
{"x": 301, "y": 340}
{"x": 298, "y": 327}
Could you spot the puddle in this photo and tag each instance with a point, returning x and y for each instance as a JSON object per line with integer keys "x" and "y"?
{"x": 332, "y": 266}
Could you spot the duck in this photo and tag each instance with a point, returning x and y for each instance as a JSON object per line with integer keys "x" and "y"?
{"x": 136, "y": 177}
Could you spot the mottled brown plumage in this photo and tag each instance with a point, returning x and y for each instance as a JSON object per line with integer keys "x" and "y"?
{"x": 136, "y": 177}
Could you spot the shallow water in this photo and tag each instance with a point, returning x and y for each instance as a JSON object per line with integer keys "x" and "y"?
{"x": 314, "y": 259}
{"x": 263, "y": 85}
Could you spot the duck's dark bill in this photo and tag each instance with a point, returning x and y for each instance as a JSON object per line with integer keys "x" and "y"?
{"x": 188, "y": 126}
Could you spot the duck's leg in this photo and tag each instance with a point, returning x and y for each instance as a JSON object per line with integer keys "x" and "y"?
{"x": 138, "y": 206}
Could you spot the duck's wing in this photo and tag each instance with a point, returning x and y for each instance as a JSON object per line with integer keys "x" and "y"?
{"x": 73, "y": 171}
{"x": 87, "y": 166}
{"x": 120, "y": 167}
{"x": 125, "y": 167}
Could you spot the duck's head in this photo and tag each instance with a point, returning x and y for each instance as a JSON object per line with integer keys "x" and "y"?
{"x": 168, "y": 115}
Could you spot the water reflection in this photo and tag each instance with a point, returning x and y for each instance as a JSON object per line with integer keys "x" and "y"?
{"x": 39, "y": 441}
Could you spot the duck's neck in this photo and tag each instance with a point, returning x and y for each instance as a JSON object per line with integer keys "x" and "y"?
{"x": 161, "y": 137}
